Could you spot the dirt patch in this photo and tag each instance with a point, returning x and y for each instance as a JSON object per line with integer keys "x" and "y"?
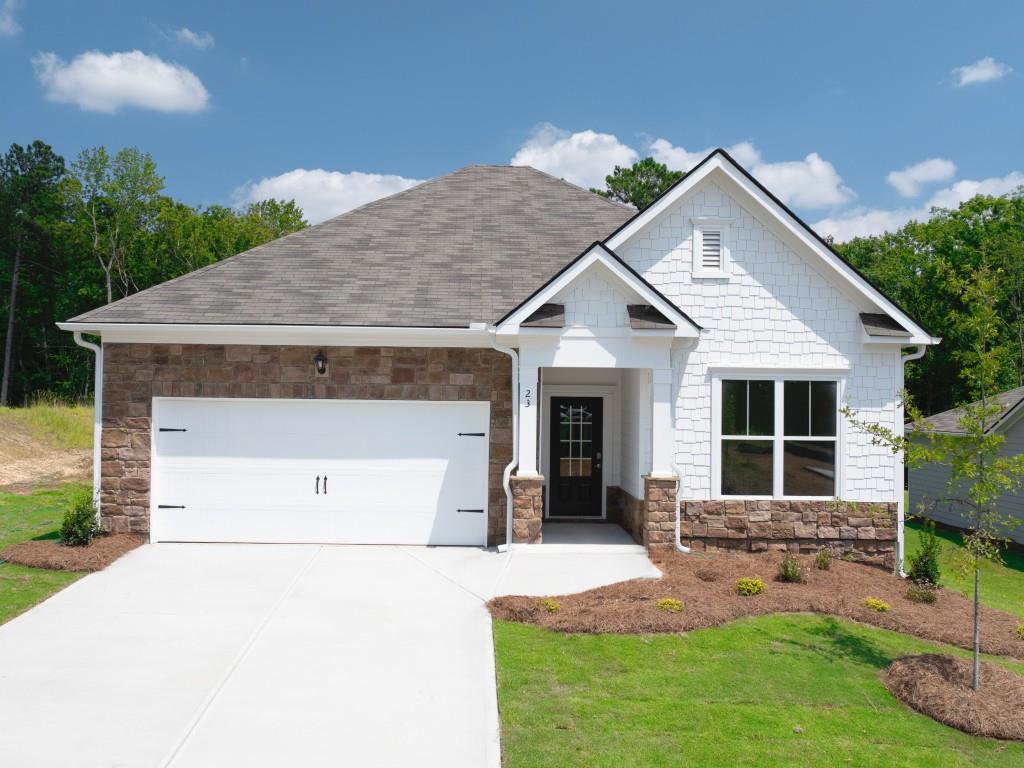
{"x": 26, "y": 462}
{"x": 51, "y": 554}
{"x": 940, "y": 687}
{"x": 707, "y": 587}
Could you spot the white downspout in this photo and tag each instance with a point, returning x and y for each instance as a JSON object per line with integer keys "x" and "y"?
{"x": 900, "y": 511}
{"x": 97, "y": 417}
{"x": 510, "y": 468}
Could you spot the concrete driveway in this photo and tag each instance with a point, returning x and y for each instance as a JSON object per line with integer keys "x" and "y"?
{"x": 270, "y": 655}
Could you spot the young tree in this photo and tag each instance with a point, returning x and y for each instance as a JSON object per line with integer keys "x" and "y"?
{"x": 639, "y": 184}
{"x": 979, "y": 471}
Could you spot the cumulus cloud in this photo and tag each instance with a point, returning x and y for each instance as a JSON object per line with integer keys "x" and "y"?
{"x": 861, "y": 222}
{"x": 982, "y": 71}
{"x": 200, "y": 40}
{"x": 9, "y": 25}
{"x": 583, "y": 158}
{"x": 322, "y": 194}
{"x": 810, "y": 183}
{"x": 108, "y": 82}
{"x": 913, "y": 178}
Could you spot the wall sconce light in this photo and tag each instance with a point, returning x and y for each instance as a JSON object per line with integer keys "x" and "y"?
{"x": 320, "y": 361}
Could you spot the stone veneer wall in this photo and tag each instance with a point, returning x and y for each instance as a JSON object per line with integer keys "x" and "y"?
{"x": 135, "y": 373}
{"x": 527, "y": 509}
{"x": 798, "y": 526}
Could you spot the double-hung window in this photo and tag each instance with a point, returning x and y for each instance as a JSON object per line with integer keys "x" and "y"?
{"x": 777, "y": 438}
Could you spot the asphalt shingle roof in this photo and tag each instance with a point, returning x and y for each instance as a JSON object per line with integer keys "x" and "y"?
{"x": 949, "y": 421}
{"x": 466, "y": 247}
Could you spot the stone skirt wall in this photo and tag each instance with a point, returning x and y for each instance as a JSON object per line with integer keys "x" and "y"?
{"x": 135, "y": 373}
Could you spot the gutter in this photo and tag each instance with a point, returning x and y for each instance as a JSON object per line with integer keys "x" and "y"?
{"x": 97, "y": 417}
{"x": 506, "y": 476}
{"x": 900, "y": 501}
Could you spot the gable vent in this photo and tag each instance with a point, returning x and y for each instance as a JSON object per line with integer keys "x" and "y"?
{"x": 711, "y": 249}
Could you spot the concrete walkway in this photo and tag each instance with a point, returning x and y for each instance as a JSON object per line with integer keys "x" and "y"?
{"x": 267, "y": 655}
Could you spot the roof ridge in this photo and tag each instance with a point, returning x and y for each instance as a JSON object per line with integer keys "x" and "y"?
{"x": 615, "y": 203}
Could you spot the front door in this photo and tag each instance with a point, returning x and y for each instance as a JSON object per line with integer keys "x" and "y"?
{"x": 575, "y": 481}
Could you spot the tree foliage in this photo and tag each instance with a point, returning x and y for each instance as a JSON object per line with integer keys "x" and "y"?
{"x": 639, "y": 184}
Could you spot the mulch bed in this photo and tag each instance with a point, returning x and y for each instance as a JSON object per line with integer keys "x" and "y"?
{"x": 940, "y": 687}
{"x": 707, "y": 587}
{"x": 51, "y": 554}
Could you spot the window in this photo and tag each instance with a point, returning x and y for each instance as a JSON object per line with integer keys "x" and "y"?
{"x": 777, "y": 438}
{"x": 710, "y": 247}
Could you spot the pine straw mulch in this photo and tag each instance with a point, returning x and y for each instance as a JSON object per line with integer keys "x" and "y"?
{"x": 51, "y": 554}
{"x": 707, "y": 587}
{"x": 940, "y": 687}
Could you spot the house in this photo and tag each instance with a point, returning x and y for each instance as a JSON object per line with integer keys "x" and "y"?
{"x": 496, "y": 349}
{"x": 928, "y": 484}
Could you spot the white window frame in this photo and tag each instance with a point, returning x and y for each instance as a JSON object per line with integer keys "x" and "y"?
{"x": 724, "y": 227}
{"x": 779, "y": 438}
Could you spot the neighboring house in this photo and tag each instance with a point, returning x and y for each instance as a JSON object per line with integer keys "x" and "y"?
{"x": 402, "y": 372}
{"x": 928, "y": 483}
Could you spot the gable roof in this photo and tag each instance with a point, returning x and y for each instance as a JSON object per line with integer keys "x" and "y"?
{"x": 465, "y": 247}
{"x": 1009, "y": 403}
{"x": 720, "y": 159}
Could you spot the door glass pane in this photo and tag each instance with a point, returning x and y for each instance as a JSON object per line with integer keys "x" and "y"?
{"x": 762, "y": 408}
{"x": 823, "y": 408}
{"x": 797, "y": 408}
{"x": 734, "y": 407}
{"x": 575, "y": 429}
{"x": 809, "y": 468}
{"x": 747, "y": 467}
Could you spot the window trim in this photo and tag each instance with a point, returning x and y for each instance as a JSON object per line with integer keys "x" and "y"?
{"x": 779, "y": 438}
{"x": 724, "y": 226}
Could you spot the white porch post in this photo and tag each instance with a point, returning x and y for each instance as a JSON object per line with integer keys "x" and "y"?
{"x": 661, "y": 423}
{"x": 529, "y": 402}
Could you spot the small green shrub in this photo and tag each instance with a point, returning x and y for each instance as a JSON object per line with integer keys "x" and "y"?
{"x": 1020, "y": 631}
{"x": 823, "y": 560}
{"x": 79, "y": 526}
{"x": 790, "y": 570}
{"x": 549, "y": 605}
{"x": 851, "y": 556}
{"x": 924, "y": 565}
{"x": 876, "y": 605}
{"x": 670, "y": 604}
{"x": 749, "y": 587}
{"x": 921, "y": 593}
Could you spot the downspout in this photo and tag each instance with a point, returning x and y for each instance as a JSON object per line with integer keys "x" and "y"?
{"x": 900, "y": 511}
{"x": 510, "y": 468}
{"x": 679, "y": 476}
{"x": 97, "y": 417}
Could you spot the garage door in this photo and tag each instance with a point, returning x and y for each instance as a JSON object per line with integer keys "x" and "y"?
{"x": 320, "y": 471}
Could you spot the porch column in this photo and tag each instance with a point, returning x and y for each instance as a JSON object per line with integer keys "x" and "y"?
{"x": 662, "y": 436}
{"x": 528, "y": 405}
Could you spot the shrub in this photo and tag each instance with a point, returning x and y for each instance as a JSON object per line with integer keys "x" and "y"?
{"x": 549, "y": 605}
{"x": 823, "y": 560}
{"x": 921, "y": 593}
{"x": 789, "y": 570}
{"x": 924, "y": 566}
{"x": 1020, "y": 631}
{"x": 876, "y": 605}
{"x": 749, "y": 587}
{"x": 670, "y": 604}
{"x": 851, "y": 556}
{"x": 79, "y": 526}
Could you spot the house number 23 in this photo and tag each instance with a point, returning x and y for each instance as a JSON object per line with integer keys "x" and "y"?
{"x": 526, "y": 398}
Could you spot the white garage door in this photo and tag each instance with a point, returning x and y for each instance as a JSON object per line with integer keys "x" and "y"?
{"x": 320, "y": 471}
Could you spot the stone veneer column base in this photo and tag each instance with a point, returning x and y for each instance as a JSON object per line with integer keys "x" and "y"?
{"x": 527, "y": 508}
{"x": 659, "y": 512}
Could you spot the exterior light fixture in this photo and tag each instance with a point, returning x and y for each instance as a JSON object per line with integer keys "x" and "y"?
{"x": 320, "y": 361}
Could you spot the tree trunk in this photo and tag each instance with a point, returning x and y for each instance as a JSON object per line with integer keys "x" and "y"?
{"x": 976, "y": 674}
{"x": 5, "y": 382}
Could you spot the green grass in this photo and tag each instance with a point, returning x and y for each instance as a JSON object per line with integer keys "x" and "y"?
{"x": 54, "y": 424}
{"x": 23, "y": 517}
{"x": 1002, "y": 584}
{"x": 728, "y": 696}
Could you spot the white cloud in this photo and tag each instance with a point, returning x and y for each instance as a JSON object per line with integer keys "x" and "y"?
{"x": 911, "y": 179}
{"x": 322, "y": 194}
{"x": 982, "y": 71}
{"x": 810, "y": 183}
{"x": 861, "y": 222}
{"x": 583, "y": 158}
{"x": 200, "y": 40}
{"x": 107, "y": 82}
{"x": 9, "y": 25}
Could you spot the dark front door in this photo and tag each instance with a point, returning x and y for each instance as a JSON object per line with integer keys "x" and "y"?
{"x": 575, "y": 475}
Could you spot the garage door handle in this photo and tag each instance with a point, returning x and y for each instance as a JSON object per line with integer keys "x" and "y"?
{"x": 472, "y": 434}
{"x": 474, "y": 511}
{"x": 318, "y": 485}
{"x": 325, "y": 485}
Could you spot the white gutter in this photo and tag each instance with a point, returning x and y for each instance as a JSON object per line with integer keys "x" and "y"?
{"x": 97, "y": 417}
{"x": 507, "y": 474}
{"x": 900, "y": 511}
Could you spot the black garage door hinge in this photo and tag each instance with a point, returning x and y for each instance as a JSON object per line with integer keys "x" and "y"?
{"x": 173, "y": 429}
{"x": 472, "y": 434}
{"x": 475, "y": 511}
{"x": 170, "y": 506}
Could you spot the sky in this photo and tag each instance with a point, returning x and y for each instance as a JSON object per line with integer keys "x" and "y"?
{"x": 860, "y": 116}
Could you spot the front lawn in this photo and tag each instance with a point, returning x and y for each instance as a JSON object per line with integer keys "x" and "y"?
{"x": 782, "y": 690}
{"x": 23, "y": 517}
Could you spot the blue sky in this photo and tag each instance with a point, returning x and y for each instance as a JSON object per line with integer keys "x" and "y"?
{"x": 336, "y": 103}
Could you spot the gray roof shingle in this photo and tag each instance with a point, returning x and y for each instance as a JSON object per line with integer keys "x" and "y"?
{"x": 949, "y": 421}
{"x": 465, "y": 247}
